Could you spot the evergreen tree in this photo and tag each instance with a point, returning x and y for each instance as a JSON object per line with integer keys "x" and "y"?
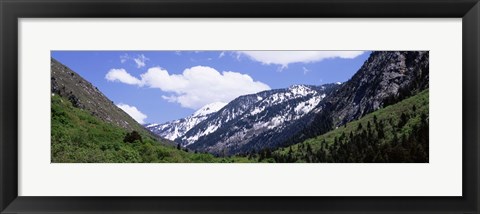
{"x": 359, "y": 127}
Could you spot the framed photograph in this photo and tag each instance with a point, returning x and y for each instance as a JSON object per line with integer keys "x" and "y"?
{"x": 239, "y": 106}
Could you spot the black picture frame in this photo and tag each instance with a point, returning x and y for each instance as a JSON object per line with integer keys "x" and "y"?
{"x": 12, "y": 10}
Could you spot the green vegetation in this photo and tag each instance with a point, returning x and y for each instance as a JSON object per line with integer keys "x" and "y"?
{"x": 397, "y": 133}
{"x": 79, "y": 137}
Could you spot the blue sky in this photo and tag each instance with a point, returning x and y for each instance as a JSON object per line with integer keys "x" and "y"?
{"x": 159, "y": 86}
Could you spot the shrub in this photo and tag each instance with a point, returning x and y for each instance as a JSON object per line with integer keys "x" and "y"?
{"x": 132, "y": 137}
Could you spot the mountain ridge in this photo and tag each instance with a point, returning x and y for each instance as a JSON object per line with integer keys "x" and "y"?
{"x": 386, "y": 77}
{"x": 253, "y": 118}
{"x": 84, "y": 95}
{"x": 171, "y": 130}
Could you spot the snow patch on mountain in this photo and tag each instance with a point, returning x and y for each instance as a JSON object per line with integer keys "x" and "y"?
{"x": 247, "y": 119}
{"x": 300, "y": 90}
{"x": 253, "y": 118}
{"x": 177, "y": 128}
{"x": 151, "y": 125}
{"x": 209, "y": 108}
{"x": 257, "y": 110}
{"x": 305, "y": 107}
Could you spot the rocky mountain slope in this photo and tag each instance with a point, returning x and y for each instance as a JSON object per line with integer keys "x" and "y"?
{"x": 284, "y": 117}
{"x": 177, "y": 128}
{"x": 67, "y": 83}
{"x": 385, "y": 78}
{"x": 254, "y": 121}
{"x": 398, "y": 133}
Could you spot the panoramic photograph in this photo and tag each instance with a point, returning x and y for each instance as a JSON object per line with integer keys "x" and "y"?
{"x": 239, "y": 106}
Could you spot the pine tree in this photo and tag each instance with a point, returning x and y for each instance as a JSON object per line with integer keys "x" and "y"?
{"x": 359, "y": 127}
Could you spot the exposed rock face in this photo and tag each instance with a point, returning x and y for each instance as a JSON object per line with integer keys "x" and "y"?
{"x": 385, "y": 78}
{"x": 82, "y": 94}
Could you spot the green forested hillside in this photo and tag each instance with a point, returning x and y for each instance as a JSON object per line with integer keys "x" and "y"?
{"x": 79, "y": 137}
{"x": 396, "y": 133}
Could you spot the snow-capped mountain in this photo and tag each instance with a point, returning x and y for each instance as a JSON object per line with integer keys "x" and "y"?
{"x": 247, "y": 122}
{"x": 287, "y": 116}
{"x": 283, "y": 117}
{"x": 174, "y": 129}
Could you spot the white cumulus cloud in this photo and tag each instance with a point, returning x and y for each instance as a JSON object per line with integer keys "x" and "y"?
{"x": 121, "y": 75}
{"x": 284, "y": 58}
{"x": 197, "y": 86}
{"x": 133, "y": 112}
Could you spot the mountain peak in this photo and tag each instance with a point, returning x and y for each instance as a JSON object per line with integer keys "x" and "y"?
{"x": 209, "y": 108}
{"x": 300, "y": 90}
{"x": 174, "y": 129}
{"x": 297, "y": 86}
